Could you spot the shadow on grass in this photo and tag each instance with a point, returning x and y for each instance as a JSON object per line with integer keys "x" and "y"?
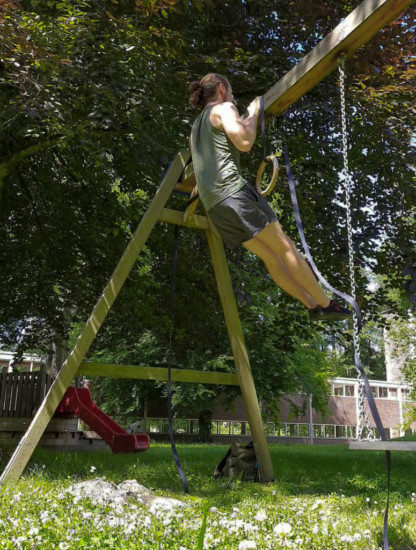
{"x": 299, "y": 470}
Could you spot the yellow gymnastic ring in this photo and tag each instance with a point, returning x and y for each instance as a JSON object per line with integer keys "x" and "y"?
{"x": 270, "y": 187}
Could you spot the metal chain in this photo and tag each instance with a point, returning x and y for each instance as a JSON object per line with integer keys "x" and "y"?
{"x": 363, "y": 421}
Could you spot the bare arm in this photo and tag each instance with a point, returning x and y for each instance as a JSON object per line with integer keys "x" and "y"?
{"x": 241, "y": 131}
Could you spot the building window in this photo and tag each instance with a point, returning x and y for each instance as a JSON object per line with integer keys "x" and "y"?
{"x": 351, "y": 432}
{"x": 338, "y": 389}
{"x": 340, "y": 431}
{"x": 225, "y": 428}
{"x": 236, "y": 429}
{"x": 303, "y": 430}
{"x": 155, "y": 425}
{"x": 393, "y": 393}
{"x": 329, "y": 431}
{"x": 293, "y": 430}
{"x": 318, "y": 430}
{"x": 180, "y": 426}
{"x": 383, "y": 393}
{"x": 269, "y": 428}
{"x": 214, "y": 427}
{"x": 350, "y": 391}
{"x": 281, "y": 429}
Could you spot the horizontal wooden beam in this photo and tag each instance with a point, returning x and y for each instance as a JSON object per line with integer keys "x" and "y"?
{"x": 176, "y": 217}
{"x": 383, "y": 445}
{"x": 354, "y": 31}
{"x": 20, "y": 424}
{"x": 156, "y": 373}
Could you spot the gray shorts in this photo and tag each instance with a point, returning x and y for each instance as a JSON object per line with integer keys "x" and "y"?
{"x": 239, "y": 217}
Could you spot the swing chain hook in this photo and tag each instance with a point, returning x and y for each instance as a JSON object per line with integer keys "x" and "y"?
{"x": 363, "y": 421}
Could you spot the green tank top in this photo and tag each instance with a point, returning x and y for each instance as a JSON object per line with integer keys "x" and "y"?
{"x": 216, "y": 162}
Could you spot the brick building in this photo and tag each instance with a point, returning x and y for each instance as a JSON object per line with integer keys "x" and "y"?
{"x": 309, "y": 426}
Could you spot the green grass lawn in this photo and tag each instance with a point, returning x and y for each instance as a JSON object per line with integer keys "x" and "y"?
{"x": 323, "y": 498}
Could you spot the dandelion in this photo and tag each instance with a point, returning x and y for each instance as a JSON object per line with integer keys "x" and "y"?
{"x": 246, "y": 544}
{"x": 260, "y": 516}
{"x": 282, "y": 529}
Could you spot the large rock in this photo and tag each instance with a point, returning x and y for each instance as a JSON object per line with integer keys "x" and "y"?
{"x": 103, "y": 492}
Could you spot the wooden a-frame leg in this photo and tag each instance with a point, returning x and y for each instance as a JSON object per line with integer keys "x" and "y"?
{"x": 69, "y": 369}
{"x": 238, "y": 347}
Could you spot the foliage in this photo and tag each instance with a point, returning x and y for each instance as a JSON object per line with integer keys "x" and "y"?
{"x": 93, "y": 99}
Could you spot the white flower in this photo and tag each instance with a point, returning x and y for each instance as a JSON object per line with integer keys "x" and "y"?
{"x": 367, "y": 499}
{"x": 129, "y": 529}
{"x": 260, "y": 516}
{"x": 213, "y": 509}
{"x": 17, "y": 496}
{"x": 245, "y": 544}
{"x": 282, "y": 529}
{"x": 63, "y": 546}
{"x": 349, "y": 538}
{"x": 92, "y": 469}
{"x": 34, "y": 531}
{"x": 315, "y": 529}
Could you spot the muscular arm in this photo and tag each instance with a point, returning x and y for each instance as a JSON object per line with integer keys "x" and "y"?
{"x": 241, "y": 131}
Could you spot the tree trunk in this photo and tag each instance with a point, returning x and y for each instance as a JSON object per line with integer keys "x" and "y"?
{"x": 205, "y": 418}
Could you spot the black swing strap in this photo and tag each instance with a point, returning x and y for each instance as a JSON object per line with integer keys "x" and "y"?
{"x": 369, "y": 394}
{"x": 170, "y": 412}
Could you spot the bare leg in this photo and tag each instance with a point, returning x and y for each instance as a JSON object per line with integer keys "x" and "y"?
{"x": 276, "y": 239}
{"x": 279, "y": 272}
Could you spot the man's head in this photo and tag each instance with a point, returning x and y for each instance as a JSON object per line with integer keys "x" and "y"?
{"x": 213, "y": 88}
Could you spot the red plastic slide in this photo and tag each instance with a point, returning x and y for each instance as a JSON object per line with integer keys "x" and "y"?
{"x": 78, "y": 401}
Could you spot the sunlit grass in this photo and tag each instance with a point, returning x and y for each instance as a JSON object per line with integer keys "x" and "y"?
{"x": 323, "y": 498}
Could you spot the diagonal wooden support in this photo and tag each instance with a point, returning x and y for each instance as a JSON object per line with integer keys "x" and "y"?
{"x": 238, "y": 347}
{"x": 69, "y": 369}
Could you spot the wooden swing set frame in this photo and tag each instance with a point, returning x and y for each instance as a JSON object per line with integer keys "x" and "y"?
{"x": 354, "y": 31}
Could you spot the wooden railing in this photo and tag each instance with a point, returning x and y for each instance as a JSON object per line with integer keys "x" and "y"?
{"x": 21, "y": 393}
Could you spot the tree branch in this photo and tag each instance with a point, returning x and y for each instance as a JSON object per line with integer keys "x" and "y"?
{"x": 8, "y": 165}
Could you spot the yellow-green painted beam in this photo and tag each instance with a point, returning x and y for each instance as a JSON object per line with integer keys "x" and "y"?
{"x": 157, "y": 373}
